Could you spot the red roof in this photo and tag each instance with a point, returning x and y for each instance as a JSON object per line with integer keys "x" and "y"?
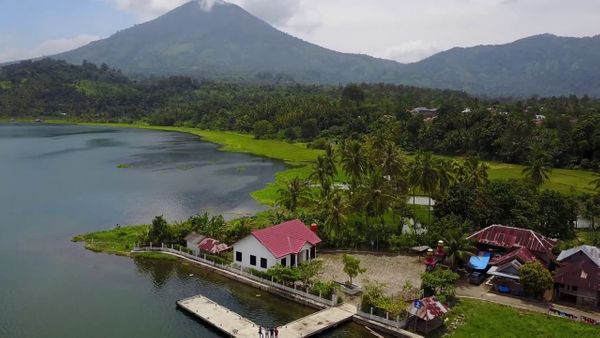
{"x": 427, "y": 308}
{"x": 508, "y": 237}
{"x": 286, "y": 238}
{"x": 522, "y": 254}
{"x": 212, "y": 246}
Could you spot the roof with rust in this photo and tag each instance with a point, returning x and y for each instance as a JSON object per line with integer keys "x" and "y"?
{"x": 592, "y": 252}
{"x": 285, "y": 238}
{"x": 522, "y": 255}
{"x": 427, "y": 308}
{"x": 503, "y": 236}
{"x": 584, "y": 274}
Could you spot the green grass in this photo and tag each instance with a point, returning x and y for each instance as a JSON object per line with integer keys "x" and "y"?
{"x": 155, "y": 256}
{"x": 123, "y": 166}
{"x": 484, "y": 319}
{"x": 117, "y": 241}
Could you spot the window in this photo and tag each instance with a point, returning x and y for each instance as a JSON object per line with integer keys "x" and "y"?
{"x": 293, "y": 260}
{"x": 307, "y": 254}
{"x": 313, "y": 252}
{"x": 284, "y": 261}
{"x": 263, "y": 263}
{"x": 238, "y": 256}
{"x": 252, "y": 260}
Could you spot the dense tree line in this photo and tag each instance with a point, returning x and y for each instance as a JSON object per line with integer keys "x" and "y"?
{"x": 568, "y": 133}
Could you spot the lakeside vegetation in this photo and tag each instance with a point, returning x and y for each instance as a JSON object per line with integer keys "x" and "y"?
{"x": 474, "y": 318}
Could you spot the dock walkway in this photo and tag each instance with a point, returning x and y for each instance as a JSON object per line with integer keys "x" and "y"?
{"x": 236, "y": 325}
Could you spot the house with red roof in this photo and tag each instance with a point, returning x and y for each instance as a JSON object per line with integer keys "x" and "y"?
{"x": 502, "y": 239}
{"x": 200, "y": 243}
{"x": 289, "y": 244}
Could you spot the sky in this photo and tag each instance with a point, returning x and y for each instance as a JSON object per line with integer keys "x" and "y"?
{"x": 401, "y": 30}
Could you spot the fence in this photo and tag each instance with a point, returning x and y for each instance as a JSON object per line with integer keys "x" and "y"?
{"x": 201, "y": 258}
{"x": 397, "y": 322}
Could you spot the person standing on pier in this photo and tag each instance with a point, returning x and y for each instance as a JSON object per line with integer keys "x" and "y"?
{"x": 276, "y": 332}
{"x": 272, "y": 333}
{"x": 260, "y": 333}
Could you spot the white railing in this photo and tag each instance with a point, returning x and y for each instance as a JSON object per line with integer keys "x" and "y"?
{"x": 201, "y": 258}
{"x": 393, "y": 322}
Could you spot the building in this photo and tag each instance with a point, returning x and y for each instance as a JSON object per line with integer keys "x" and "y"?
{"x": 577, "y": 278}
{"x": 289, "y": 244}
{"x": 425, "y": 315}
{"x": 502, "y": 240}
{"x": 427, "y": 114}
{"x": 199, "y": 243}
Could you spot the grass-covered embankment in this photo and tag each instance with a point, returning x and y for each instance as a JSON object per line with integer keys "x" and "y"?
{"x": 119, "y": 241}
{"x": 474, "y": 318}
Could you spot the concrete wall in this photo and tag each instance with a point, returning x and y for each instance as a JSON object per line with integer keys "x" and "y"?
{"x": 251, "y": 246}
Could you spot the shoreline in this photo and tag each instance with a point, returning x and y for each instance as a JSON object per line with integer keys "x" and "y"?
{"x": 298, "y": 158}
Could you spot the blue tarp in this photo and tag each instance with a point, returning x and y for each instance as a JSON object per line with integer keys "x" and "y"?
{"x": 480, "y": 262}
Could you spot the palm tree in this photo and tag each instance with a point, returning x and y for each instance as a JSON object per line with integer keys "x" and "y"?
{"x": 353, "y": 162}
{"x": 458, "y": 247}
{"x": 596, "y": 181}
{"x": 424, "y": 175}
{"x": 445, "y": 171}
{"x": 476, "y": 172}
{"x": 391, "y": 160}
{"x": 294, "y": 194}
{"x": 335, "y": 214}
{"x": 323, "y": 172}
{"x": 537, "y": 171}
{"x": 376, "y": 197}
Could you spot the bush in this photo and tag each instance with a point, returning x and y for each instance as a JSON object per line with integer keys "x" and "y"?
{"x": 374, "y": 297}
{"x": 440, "y": 282}
{"x": 325, "y": 289}
{"x": 535, "y": 277}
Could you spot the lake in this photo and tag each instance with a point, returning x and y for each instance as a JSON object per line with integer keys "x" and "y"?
{"x": 57, "y": 181}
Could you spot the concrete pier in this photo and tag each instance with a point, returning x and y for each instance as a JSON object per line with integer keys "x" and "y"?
{"x": 235, "y": 325}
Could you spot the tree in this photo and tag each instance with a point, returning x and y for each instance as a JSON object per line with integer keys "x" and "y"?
{"x": 323, "y": 172}
{"x": 424, "y": 175}
{"x": 475, "y": 172}
{"x": 353, "y": 162}
{"x": 352, "y": 266}
{"x": 535, "y": 277}
{"x": 294, "y": 194}
{"x": 262, "y": 129}
{"x": 596, "y": 182}
{"x": 354, "y": 93}
{"x": 557, "y": 215}
{"x": 458, "y": 247}
{"x": 376, "y": 198}
{"x": 159, "y": 230}
{"x": 307, "y": 271}
{"x": 335, "y": 214}
{"x": 537, "y": 171}
{"x": 440, "y": 282}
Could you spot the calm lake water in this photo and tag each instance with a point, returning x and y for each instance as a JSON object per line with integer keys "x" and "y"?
{"x": 60, "y": 181}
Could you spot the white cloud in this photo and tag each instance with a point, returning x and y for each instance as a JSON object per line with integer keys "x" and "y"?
{"x": 411, "y": 51}
{"x": 46, "y": 48}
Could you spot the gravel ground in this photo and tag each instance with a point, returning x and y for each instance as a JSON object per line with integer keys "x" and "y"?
{"x": 394, "y": 271}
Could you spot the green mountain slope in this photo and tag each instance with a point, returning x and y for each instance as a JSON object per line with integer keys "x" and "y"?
{"x": 225, "y": 42}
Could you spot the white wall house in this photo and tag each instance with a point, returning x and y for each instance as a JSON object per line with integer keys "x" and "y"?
{"x": 288, "y": 244}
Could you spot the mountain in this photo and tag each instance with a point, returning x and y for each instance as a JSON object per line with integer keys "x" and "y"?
{"x": 225, "y": 42}
{"x": 545, "y": 65}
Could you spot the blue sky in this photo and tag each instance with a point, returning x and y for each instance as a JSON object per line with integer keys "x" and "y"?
{"x": 403, "y": 30}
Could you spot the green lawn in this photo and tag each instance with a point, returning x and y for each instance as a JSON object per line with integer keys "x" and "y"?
{"x": 484, "y": 319}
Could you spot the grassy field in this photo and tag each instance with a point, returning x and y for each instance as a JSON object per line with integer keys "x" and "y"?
{"x": 483, "y": 319}
{"x": 298, "y": 157}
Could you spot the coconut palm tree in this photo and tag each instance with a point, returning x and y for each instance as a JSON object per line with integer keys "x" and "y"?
{"x": 458, "y": 247}
{"x": 335, "y": 210}
{"x": 294, "y": 194}
{"x": 476, "y": 172}
{"x": 424, "y": 175}
{"x": 537, "y": 171}
{"x": 323, "y": 173}
{"x": 376, "y": 197}
{"x": 445, "y": 171}
{"x": 596, "y": 181}
{"x": 354, "y": 162}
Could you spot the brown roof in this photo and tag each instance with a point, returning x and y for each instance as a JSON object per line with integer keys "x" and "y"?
{"x": 503, "y": 236}
{"x": 584, "y": 274}
{"x": 522, "y": 255}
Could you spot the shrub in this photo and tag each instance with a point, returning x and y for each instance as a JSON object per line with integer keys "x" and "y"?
{"x": 535, "y": 277}
{"x": 325, "y": 289}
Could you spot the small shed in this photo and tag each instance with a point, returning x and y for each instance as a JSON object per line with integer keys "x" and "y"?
{"x": 425, "y": 315}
